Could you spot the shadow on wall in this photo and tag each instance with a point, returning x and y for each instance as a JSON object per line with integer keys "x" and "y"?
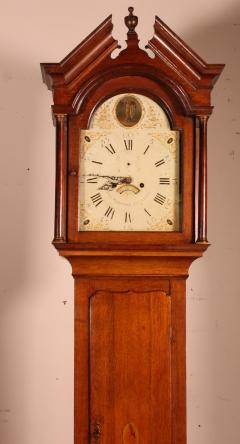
{"x": 17, "y": 134}
{"x": 213, "y": 286}
{"x": 30, "y": 283}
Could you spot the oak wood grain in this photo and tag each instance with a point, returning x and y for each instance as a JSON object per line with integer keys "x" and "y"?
{"x": 130, "y": 366}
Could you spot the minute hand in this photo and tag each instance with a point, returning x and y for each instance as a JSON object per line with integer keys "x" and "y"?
{"x": 118, "y": 179}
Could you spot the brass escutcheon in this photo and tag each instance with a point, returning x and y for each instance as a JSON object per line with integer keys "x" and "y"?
{"x": 130, "y": 434}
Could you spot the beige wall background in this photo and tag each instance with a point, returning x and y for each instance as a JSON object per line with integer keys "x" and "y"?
{"x": 36, "y": 287}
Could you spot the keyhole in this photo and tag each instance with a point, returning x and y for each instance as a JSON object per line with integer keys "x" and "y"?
{"x": 96, "y": 432}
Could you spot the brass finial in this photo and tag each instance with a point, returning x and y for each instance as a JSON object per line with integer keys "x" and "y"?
{"x": 131, "y": 20}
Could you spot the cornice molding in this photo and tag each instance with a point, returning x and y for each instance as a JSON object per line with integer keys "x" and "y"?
{"x": 173, "y": 60}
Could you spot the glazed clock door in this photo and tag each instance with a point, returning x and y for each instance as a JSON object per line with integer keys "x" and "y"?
{"x": 129, "y": 168}
{"x": 130, "y": 378}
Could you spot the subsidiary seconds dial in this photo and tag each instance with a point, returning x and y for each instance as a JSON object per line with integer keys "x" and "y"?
{"x": 129, "y": 180}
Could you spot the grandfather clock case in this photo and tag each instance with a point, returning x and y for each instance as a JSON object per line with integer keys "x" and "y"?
{"x": 130, "y": 280}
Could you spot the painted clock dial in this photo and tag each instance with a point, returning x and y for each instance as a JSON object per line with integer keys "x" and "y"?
{"x": 129, "y": 168}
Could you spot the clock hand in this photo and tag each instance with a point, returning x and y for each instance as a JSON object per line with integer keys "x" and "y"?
{"x": 112, "y": 182}
{"x": 108, "y": 185}
{"x": 118, "y": 179}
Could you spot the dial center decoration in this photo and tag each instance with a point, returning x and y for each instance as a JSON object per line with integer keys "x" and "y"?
{"x": 128, "y": 188}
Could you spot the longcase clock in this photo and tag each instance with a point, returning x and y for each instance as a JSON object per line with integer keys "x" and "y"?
{"x": 131, "y": 216}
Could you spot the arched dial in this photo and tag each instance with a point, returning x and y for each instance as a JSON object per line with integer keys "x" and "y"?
{"x": 129, "y": 180}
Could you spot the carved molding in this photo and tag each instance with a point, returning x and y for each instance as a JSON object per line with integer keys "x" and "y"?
{"x": 174, "y": 64}
{"x": 96, "y": 46}
{"x": 182, "y": 60}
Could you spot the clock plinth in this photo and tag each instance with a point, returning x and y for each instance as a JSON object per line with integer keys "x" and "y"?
{"x": 131, "y": 217}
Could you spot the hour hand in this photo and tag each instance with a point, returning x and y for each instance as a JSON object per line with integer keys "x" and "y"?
{"x": 109, "y": 185}
{"x": 112, "y": 181}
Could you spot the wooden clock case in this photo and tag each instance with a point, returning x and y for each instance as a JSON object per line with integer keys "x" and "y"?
{"x": 130, "y": 287}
